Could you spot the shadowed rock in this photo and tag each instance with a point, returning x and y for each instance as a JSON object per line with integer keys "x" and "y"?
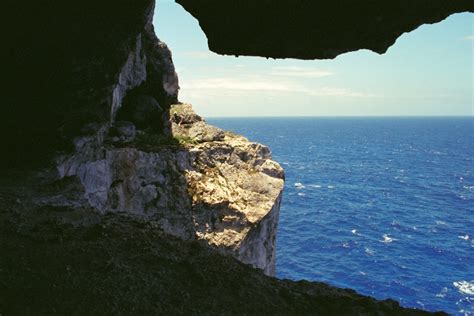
{"x": 118, "y": 265}
{"x": 70, "y": 65}
{"x": 142, "y": 110}
{"x": 313, "y": 29}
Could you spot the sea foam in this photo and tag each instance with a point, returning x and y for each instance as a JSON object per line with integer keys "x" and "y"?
{"x": 465, "y": 287}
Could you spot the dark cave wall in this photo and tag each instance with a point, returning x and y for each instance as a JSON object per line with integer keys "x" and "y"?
{"x": 313, "y": 29}
{"x": 64, "y": 61}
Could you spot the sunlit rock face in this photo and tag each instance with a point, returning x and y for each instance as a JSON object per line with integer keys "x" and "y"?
{"x": 313, "y": 29}
{"x": 201, "y": 184}
{"x": 235, "y": 189}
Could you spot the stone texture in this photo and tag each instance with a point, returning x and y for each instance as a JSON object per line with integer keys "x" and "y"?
{"x": 313, "y": 29}
{"x": 183, "y": 113}
{"x": 123, "y": 129}
{"x": 186, "y": 123}
{"x": 221, "y": 189}
{"x": 201, "y": 132}
{"x": 132, "y": 74}
{"x": 235, "y": 204}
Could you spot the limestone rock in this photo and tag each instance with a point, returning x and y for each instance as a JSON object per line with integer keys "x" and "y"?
{"x": 201, "y": 132}
{"x": 186, "y": 123}
{"x": 132, "y": 74}
{"x": 216, "y": 187}
{"x": 235, "y": 205}
{"x": 235, "y": 189}
{"x": 162, "y": 74}
{"x": 123, "y": 129}
{"x": 183, "y": 113}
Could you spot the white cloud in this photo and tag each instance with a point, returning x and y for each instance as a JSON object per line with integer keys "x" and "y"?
{"x": 339, "y": 92}
{"x": 249, "y": 84}
{"x": 241, "y": 87}
{"x": 300, "y": 72}
{"x": 469, "y": 38}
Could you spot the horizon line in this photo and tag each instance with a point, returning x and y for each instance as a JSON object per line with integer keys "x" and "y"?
{"x": 340, "y": 116}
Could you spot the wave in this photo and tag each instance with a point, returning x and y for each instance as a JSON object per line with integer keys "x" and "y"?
{"x": 465, "y": 287}
{"x": 387, "y": 239}
{"x": 369, "y": 251}
{"x": 442, "y": 293}
{"x": 355, "y": 232}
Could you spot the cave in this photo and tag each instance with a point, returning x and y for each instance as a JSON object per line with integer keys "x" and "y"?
{"x": 96, "y": 224}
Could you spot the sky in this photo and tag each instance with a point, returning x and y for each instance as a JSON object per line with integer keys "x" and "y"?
{"x": 428, "y": 72}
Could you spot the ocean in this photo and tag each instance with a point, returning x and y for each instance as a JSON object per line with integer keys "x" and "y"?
{"x": 384, "y": 206}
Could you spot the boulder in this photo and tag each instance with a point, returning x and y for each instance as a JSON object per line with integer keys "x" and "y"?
{"x": 187, "y": 124}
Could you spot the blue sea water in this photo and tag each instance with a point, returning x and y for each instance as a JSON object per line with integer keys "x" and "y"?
{"x": 384, "y": 206}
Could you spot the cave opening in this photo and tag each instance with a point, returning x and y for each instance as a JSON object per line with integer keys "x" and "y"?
{"x": 379, "y": 204}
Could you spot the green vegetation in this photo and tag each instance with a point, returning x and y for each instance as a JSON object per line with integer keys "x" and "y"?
{"x": 177, "y": 110}
{"x": 185, "y": 140}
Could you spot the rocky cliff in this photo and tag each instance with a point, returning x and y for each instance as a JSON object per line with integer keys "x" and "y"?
{"x": 88, "y": 119}
{"x": 199, "y": 183}
{"x": 235, "y": 190}
{"x": 95, "y": 121}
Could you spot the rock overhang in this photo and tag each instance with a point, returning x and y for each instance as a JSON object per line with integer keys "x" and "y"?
{"x": 313, "y": 29}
